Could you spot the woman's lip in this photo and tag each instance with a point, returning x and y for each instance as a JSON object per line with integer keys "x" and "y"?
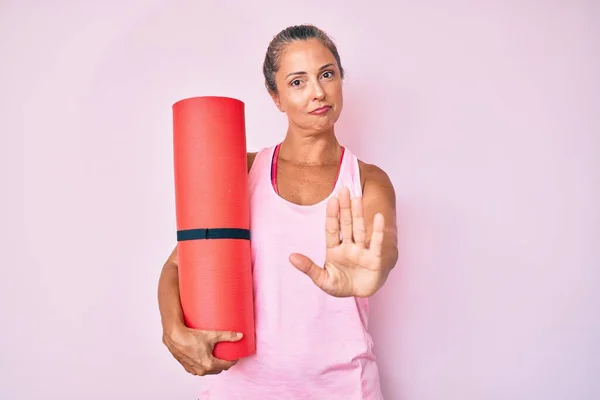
{"x": 321, "y": 110}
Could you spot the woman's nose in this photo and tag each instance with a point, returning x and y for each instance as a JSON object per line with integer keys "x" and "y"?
{"x": 318, "y": 92}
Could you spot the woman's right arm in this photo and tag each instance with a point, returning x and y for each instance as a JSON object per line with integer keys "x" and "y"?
{"x": 168, "y": 294}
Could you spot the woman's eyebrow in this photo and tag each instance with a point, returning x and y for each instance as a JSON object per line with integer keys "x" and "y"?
{"x": 304, "y": 72}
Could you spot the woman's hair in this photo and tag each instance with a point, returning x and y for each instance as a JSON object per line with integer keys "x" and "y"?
{"x": 283, "y": 39}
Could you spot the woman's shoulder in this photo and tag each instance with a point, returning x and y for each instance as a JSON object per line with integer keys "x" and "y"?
{"x": 250, "y": 157}
{"x": 373, "y": 175}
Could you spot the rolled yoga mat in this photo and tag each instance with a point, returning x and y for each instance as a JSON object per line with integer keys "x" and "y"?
{"x": 213, "y": 220}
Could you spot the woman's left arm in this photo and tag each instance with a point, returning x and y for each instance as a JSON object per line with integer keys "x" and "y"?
{"x": 379, "y": 196}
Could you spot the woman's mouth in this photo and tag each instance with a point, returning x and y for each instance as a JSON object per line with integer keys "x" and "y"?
{"x": 320, "y": 110}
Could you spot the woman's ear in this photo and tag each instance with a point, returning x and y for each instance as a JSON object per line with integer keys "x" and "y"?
{"x": 276, "y": 100}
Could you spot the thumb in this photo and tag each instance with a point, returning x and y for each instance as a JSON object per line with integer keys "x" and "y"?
{"x": 218, "y": 336}
{"x": 226, "y": 336}
{"x": 306, "y": 265}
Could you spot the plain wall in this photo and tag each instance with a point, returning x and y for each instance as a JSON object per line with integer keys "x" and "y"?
{"x": 484, "y": 114}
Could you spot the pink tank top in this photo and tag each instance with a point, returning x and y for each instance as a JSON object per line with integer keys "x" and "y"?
{"x": 309, "y": 345}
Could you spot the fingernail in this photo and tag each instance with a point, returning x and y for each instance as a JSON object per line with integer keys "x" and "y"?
{"x": 239, "y": 335}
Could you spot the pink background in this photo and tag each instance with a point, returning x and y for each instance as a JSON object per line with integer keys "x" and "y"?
{"x": 485, "y": 114}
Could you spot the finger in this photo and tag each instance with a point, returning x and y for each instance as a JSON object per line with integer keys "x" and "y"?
{"x": 181, "y": 357}
{"x": 188, "y": 362}
{"x": 377, "y": 236}
{"x": 332, "y": 223}
{"x": 204, "y": 365}
{"x": 188, "y": 368}
{"x": 317, "y": 274}
{"x": 212, "y": 366}
{"x": 358, "y": 222}
{"x": 222, "y": 365}
{"x": 345, "y": 215}
{"x": 213, "y": 372}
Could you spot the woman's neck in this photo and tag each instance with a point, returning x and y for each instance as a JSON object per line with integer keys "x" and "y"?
{"x": 321, "y": 149}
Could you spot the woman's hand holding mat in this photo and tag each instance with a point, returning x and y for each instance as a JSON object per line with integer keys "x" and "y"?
{"x": 194, "y": 349}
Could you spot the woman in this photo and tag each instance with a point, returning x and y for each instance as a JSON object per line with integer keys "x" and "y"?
{"x": 315, "y": 210}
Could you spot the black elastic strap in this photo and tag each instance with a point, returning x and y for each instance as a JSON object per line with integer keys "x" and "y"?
{"x": 213, "y": 233}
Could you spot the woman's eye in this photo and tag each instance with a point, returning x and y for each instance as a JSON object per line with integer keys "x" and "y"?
{"x": 328, "y": 74}
{"x": 295, "y": 82}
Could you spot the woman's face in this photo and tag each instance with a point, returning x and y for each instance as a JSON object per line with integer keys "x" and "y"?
{"x": 309, "y": 86}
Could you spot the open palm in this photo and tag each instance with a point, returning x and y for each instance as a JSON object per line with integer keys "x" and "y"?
{"x": 352, "y": 268}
